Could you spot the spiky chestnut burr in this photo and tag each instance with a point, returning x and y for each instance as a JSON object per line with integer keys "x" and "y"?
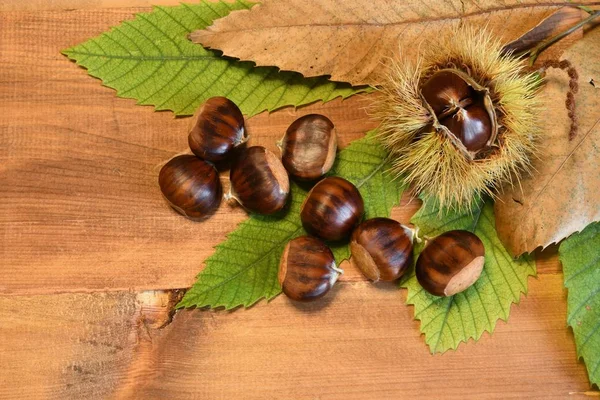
{"x": 461, "y": 121}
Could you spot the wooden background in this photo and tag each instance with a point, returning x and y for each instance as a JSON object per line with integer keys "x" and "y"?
{"x": 91, "y": 257}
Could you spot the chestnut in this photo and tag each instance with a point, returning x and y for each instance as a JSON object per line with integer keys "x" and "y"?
{"x": 471, "y": 125}
{"x": 382, "y": 249}
{"x": 450, "y": 263}
{"x": 332, "y": 209}
{"x": 461, "y": 109}
{"x": 307, "y": 269}
{"x": 218, "y": 129}
{"x": 258, "y": 181}
{"x": 308, "y": 147}
{"x": 190, "y": 185}
{"x": 445, "y": 90}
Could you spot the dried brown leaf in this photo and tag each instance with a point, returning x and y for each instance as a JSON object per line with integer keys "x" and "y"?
{"x": 557, "y": 23}
{"x": 563, "y": 195}
{"x": 349, "y": 40}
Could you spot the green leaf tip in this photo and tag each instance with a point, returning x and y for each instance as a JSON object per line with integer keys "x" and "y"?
{"x": 243, "y": 269}
{"x": 580, "y": 257}
{"x": 150, "y": 59}
{"x": 448, "y": 321}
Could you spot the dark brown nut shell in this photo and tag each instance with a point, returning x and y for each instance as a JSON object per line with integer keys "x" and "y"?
{"x": 444, "y": 91}
{"x": 471, "y": 125}
{"x": 332, "y": 209}
{"x": 382, "y": 249}
{"x": 259, "y": 182}
{"x": 218, "y": 129}
{"x": 191, "y": 186}
{"x": 450, "y": 263}
{"x": 309, "y": 147}
{"x": 307, "y": 269}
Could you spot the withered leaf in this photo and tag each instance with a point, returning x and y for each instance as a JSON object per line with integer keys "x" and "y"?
{"x": 558, "y": 22}
{"x": 349, "y": 40}
{"x": 563, "y": 194}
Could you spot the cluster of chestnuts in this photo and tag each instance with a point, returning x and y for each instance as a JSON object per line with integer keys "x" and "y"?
{"x": 332, "y": 211}
{"x": 259, "y": 179}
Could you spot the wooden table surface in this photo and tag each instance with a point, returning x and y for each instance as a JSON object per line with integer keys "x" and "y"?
{"x": 91, "y": 257}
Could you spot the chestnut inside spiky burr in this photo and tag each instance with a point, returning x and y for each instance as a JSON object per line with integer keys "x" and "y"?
{"x": 462, "y": 120}
{"x": 461, "y": 109}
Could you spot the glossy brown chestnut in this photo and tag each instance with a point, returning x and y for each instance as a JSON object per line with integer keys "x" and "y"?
{"x": 471, "y": 125}
{"x": 258, "y": 181}
{"x": 190, "y": 185}
{"x": 450, "y": 263}
{"x": 309, "y": 146}
{"x": 218, "y": 129}
{"x": 332, "y": 209}
{"x": 382, "y": 249}
{"x": 460, "y": 108}
{"x": 445, "y": 91}
{"x": 307, "y": 269}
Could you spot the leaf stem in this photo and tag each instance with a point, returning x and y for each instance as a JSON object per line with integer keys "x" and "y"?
{"x": 535, "y": 52}
{"x": 586, "y": 9}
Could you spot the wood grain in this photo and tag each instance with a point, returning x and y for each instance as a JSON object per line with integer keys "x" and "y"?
{"x": 362, "y": 343}
{"x": 359, "y": 343}
{"x": 65, "y": 346}
{"x": 80, "y": 211}
{"x": 39, "y": 5}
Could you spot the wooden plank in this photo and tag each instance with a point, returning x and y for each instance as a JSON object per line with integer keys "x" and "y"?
{"x": 74, "y": 345}
{"x": 79, "y": 169}
{"x": 360, "y": 342}
{"x": 65, "y": 346}
{"x": 39, "y": 5}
